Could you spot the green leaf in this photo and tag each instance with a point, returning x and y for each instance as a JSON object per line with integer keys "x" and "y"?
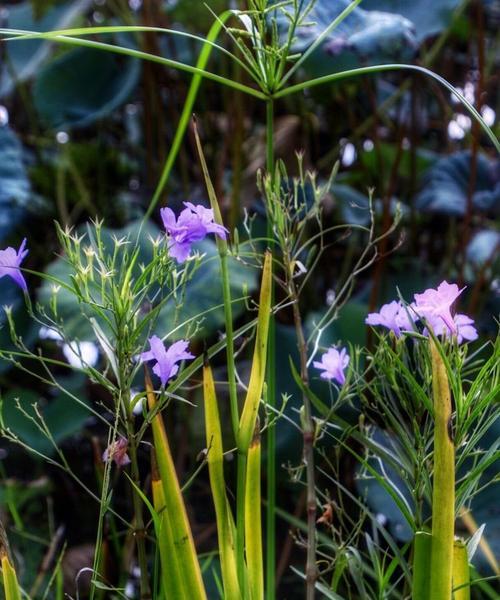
{"x": 25, "y": 59}
{"x": 62, "y": 416}
{"x": 15, "y": 189}
{"x": 446, "y": 186}
{"x": 82, "y": 86}
{"x": 428, "y": 16}
{"x": 363, "y": 37}
{"x": 215, "y": 459}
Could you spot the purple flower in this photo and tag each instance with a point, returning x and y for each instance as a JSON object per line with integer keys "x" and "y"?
{"x": 10, "y": 261}
{"x": 166, "y": 360}
{"x": 333, "y": 364}
{"x": 193, "y": 224}
{"x": 394, "y": 316}
{"x": 433, "y": 305}
{"x": 436, "y": 304}
{"x": 464, "y": 328}
{"x": 117, "y": 451}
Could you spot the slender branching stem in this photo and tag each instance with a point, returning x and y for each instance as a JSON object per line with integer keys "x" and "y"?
{"x": 139, "y": 531}
{"x": 271, "y": 396}
{"x": 308, "y": 437}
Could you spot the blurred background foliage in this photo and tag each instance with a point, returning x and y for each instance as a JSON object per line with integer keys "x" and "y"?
{"x": 85, "y": 134}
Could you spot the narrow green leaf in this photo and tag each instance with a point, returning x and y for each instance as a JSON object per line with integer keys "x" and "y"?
{"x": 10, "y": 584}
{"x": 215, "y": 459}
{"x": 222, "y": 247}
{"x": 461, "y": 572}
{"x": 300, "y": 87}
{"x": 253, "y": 519}
{"x": 174, "y": 505}
{"x": 443, "y": 493}
{"x": 258, "y": 373}
{"x": 171, "y": 572}
{"x": 421, "y": 565}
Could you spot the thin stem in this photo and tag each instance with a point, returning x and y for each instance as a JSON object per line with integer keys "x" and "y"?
{"x": 271, "y": 396}
{"x": 139, "y": 531}
{"x": 308, "y": 437}
{"x": 300, "y": 87}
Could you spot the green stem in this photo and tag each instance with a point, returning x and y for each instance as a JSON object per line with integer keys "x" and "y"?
{"x": 231, "y": 370}
{"x": 443, "y": 493}
{"x": 139, "y": 531}
{"x": 300, "y": 87}
{"x": 271, "y": 396}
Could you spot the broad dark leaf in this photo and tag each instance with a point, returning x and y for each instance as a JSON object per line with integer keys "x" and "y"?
{"x": 446, "y": 186}
{"x": 24, "y": 58}
{"x": 363, "y": 38}
{"x": 82, "y": 86}
{"x": 428, "y": 16}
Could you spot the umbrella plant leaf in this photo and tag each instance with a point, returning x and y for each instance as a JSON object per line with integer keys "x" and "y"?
{"x": 82, "y": 86}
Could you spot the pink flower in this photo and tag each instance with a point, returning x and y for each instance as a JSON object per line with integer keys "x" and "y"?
{"x": 117, "y": 451}
{"x": 436, "y": 304}
{"x": 10, "y": 262}
{"x": 333, "y": 364}
{"x": 166, "y": 360}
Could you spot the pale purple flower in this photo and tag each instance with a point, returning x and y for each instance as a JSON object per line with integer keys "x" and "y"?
{"x": 193, "y": 225}
{"x": 436, "y": 303}
{"x": 464, "y": 328}
{"x": 117, "y": 451}
{"x": 10, "y": 262}
{"x": 166, "y": 360}
{"x": 393, "y": 316}
{"x": 333, "y": 364}
{"x": 386, "y": 317}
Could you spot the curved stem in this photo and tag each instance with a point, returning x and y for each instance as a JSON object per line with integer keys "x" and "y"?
{"x": 391, "y": 67}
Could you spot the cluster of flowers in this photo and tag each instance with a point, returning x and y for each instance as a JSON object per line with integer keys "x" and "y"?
{"x": 193, "y": 224}
{"x": 433, "y": 306}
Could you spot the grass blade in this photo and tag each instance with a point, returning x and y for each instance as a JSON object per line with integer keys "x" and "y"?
{"x": 222, "y": 247}
{"x": 461, "y": 572}
{"x": 10, "y": 584}
{"x": 215, "y": 459}
{"x": 421, "y": 565}
{"x": 443, "y": 493}
{"x": 253, "y": 519}
{"x": 258, "y": 373}
{"x": 174, "y": 505}
{"x": 171, "y": 574}
{"x": 300, "y": 87}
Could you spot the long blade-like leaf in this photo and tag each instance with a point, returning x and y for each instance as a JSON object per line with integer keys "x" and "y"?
{"x": 174, "y": 505}
{"x": 253, "y": 521}
{"x": 443, "y": 483}
{"x": 461, "y": 572}
{"x": 421, "y": 565}
{"x": 258, "y": 373}
{"x": 171, "y": 572}
{"x": 300, "y": 87}
{"x": 215, "y": 459}
{"x": 10, "y": 584}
